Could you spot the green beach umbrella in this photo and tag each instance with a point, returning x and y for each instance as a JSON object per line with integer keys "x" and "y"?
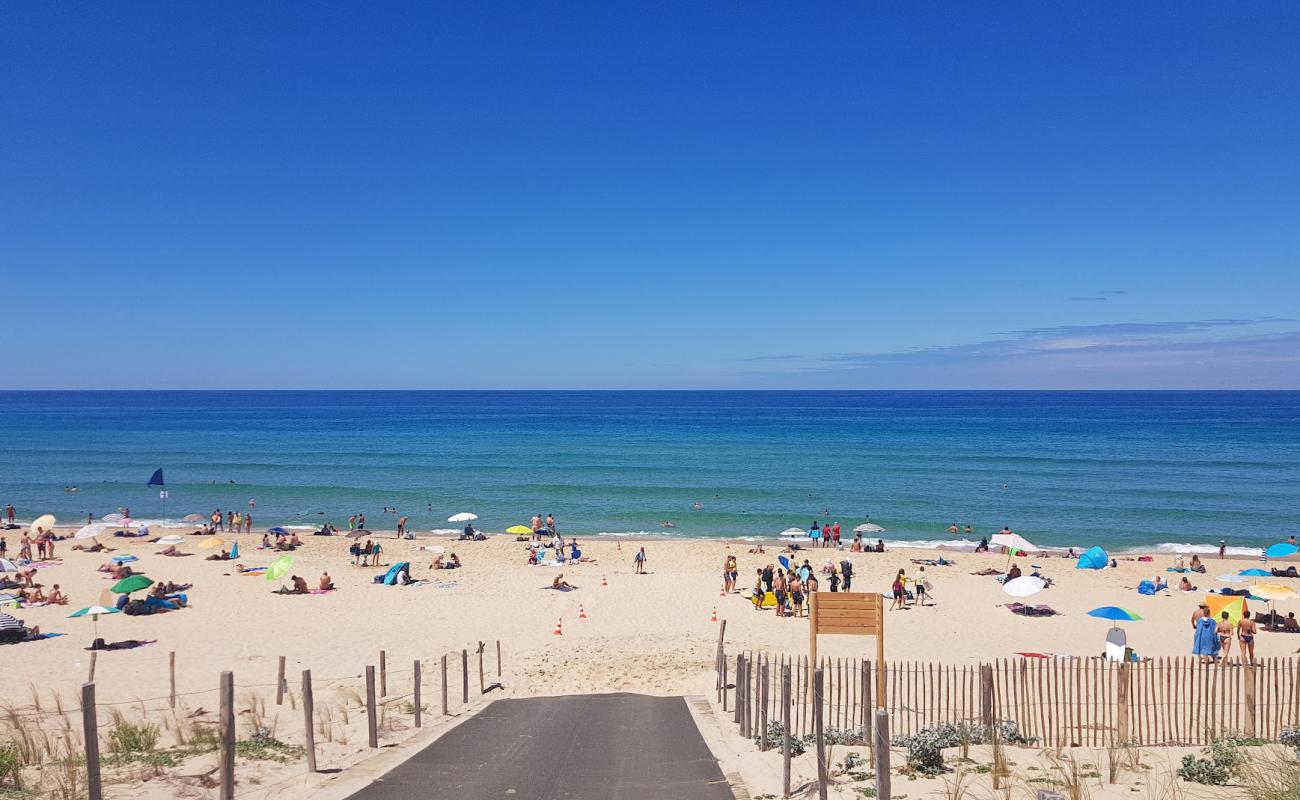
{"x": 133, "y": 583}
{"x": 278, "y": 568}
{"x": 93, "y": 612}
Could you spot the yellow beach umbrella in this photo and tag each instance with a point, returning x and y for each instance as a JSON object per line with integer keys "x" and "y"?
{"x": 211, "y": 542}
{"x": 520, "y": 529}
{"x": 44, "y": 522}
{"x": 1273, "y": 591}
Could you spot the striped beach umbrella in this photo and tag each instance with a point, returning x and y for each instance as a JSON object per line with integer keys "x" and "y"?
{"x": 8, "y": 622}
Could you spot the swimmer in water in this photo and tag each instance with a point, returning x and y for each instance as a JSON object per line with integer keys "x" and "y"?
{"x": 665, "y": 524}
{"x": 697, "y": 505}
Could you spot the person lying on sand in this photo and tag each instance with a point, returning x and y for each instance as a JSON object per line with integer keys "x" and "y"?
{"x": 756, "y": 549}
{"x": 159, "y": 592}
{"x": 224, "y": 555}
{"x": 299, "y": 587}
{"x": 170, "y": 550}
{"x": 20, "y": 634}
{"x": 561, "y": 584}
{"x": 326, "y": 582}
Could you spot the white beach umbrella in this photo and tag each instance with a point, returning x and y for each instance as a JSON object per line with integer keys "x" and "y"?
{"x": 173, "y": 539}
{"x": 463, "y": 516}
{"x": 1011, "y": 541}
{"x": 869, "y": 527}
{"x": 1024, "y": 586}
{"x": 7, "y": 566}
{"x": 44, "y": 522}
{"x": 794, "y": 532}
{"x": 89, "y": 532}
{"x": 114, "y": 517}
{"x": 1233, "y": 578}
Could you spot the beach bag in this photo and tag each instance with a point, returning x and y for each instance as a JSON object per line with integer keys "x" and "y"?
{"x": 138, "y": 608}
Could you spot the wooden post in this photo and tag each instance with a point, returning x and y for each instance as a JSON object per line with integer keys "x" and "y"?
{"x": 372, "y": 713}
{"x": 482, "y": 681}
{"x": 1251, "y": 720}
{"x": 866, "y": 702}
{"x": 785, "y": 723}
{"x": 498, "y": 658}
{"x": 762, "y": 709}
{"x": 171, "y": 666}
{"x": 444, "y": 684}
{"x": 464, "y": 676}
{"x": 383, "y": 673}
{"x": 416, "y": 692}
{"x": 817, "y": 729}
{"x": 90, "y": 726}
{"x": 279, "y": 683}
{"x": 94, "y": 654}
{"x": 309, "y": 721}
{"x": 740, "y": 664}
{"x": 724, "y": 683}
{"x": 1121, "y": 704}
{"x": 720, "y": 662}
{"x": 880, "y": 746}
{"x": 986, "y": 696}
{"x": 226, "y": 728}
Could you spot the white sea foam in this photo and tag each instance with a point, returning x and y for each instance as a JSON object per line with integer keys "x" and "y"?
{"x": 626, "y": 534}
{"x": 1198, "y": 549}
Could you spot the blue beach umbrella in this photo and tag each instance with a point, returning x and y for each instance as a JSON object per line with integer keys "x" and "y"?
{"x": 1281, "y": 550}
{"x": 124, "y": 559}
{"x": 1114, "y": 613}
{"x": 1256, "y": 572}
{"x": 278, "y": 531}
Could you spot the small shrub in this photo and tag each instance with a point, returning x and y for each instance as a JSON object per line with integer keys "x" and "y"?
{"x": 1203, "y": 771}
{"x": 11, "y": 764}
{"x": 128, "y": 740}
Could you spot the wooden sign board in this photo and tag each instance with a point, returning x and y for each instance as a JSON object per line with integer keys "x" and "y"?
{"x": 849, "y": 614}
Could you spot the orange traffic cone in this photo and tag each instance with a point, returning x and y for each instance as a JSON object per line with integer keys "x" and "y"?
{"x": 715, "y": 615}
{"x": 559, "y": 630}
{"x": 582, "y": 613}
{"x": 603, "y": 582}
{"x": 620, "y": 546}
{"x": 723, "y": 591}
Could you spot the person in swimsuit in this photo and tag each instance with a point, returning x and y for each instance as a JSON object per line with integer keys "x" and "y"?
{"x": 900, "y": 592}
{"x": 1246, "y": 630}
{"x": 1224, "y": 632}
{"x": 796, "y": 596}
{"x": 778, "y": 588}
{"x": 758, "y": 591}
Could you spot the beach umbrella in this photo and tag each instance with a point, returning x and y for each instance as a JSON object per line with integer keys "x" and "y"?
{"x": 357, "y": 534}
{"x": 132, "y": 584}
{"x": 1025, "y": 586}
{"x": 278, "y": 531}
{"x": 7, "y": 566}
{"x": 463, "y": 516}
{"x": 1230, "y": 578}
{"x": 89, "y": 532}
{"x": 114, "y": 517}
{"x": 8, "y": 622}
{"x": 211, "y": 542}
{"x": 794, "y": 532}
{"x": 869, "y": 527}
{"x": 519, "y": 530}
{"x": 1273, "y": 591}
{"x": 1281, "y": 550}
{"x": 124, "y": 559}
{"x": 93, "y": 612}
{"x": 44, "y": 522}
{"x": 279, "y": 567}
{"x": 192, "y": 518}
{"x": 1255, "y": 573}
{"x": 1114, "y": 613}
{"x": 172, "y": 539}
{"x": 1011, "y": 541}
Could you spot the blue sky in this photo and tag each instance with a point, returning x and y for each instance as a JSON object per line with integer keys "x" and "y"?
{"x": 678, "y": 195}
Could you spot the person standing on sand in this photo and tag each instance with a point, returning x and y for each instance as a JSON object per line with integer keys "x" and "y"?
{"x": 835, "y": 534}
{"x": 1224, "y": 632}
{"x": 778, "y": 589}
{"x": 361, "y": 521}
{"x": 1246, "y": 630}
{"x": 768, "y": 577}
{"x": 230, "y": 521}
{"x": 815, "y": 534}
{"x": 639, "y": 561}
{"x": 900, "y": 592}
{"x": 352, "y": 523}
{"x": 218, "y": 521}
{"x": 401, "y": 527}
{"x": 9, "y": 510}
{"x": 550, "y": 523}
{"x": 846, "y": 572}
{"x": 248, "y": 523}
{"x": 1223, "y": 548}
{"x": 1204, "y": 641}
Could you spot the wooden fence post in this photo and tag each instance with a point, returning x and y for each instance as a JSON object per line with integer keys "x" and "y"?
{"x": 94, "y": 655}
{"x": 444, "y": 684}
{"x": 372, "y": 713}
{"x": 309, "y": 720}
{"x": 464, "y": 675}
{"x": 720, "y": 661}
{"x": 226, "y": 727}
{"x": 171, "y": 666}
{"x": 986, "y": 696}
{"x": 482, "y": 681}
{"x": 818, "y": 677}
{"x": 383, "y": 673}
{"x": 785, "y": 723}
{"x": 279, "y": 683}
{"x": 90, "y": 726}
{"x": 880, "y": 745}
{"x": 416, "y": 692}
{"x": 1251, "y": 722}
{"x": 1120, "y": 734}
{"x": 498, "y": 658}
{"x": 740, "y": 664}
{"x": 762, "y": 708}
{"x": 724, "y": 683}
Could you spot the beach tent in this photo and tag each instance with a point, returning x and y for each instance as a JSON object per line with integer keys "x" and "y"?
{"x": 1093, "y": 558}
{"x": 1281, "y": 550}
{"x": 1235, "y": 606}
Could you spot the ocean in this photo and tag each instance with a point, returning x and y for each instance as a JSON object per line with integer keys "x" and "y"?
{"x": 1126, "y": 470}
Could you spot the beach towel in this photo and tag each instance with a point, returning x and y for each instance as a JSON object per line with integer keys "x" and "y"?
{"x": 31, "y": 638}
{"x": 1205, "y": 642}
{"x": 1177, "y": 569}
{"x": 125, "y": 644}
{"x": 1032, "y": 611}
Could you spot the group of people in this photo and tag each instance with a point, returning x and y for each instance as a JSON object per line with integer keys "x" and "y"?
{"x": 233, "y": 521}
{"x": 542, "y": 529}
{"x": 1212, "y": 639}
{"x": 43, "y": 542}
{"x": 791, "y": 587}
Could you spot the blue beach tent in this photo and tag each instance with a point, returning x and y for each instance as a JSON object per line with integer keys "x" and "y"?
{"x": 1094, "y": 558}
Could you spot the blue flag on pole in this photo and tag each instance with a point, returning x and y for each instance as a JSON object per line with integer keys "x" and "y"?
{"x": 157, "y": 479}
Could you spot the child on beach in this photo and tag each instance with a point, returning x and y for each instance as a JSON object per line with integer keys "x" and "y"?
{"x": 639, "y": 560}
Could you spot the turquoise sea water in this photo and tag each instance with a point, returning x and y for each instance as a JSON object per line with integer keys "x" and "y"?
{"x": 1123, "y": 469}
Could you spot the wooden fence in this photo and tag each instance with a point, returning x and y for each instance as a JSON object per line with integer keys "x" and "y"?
{"x": 1070, "y": 702}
